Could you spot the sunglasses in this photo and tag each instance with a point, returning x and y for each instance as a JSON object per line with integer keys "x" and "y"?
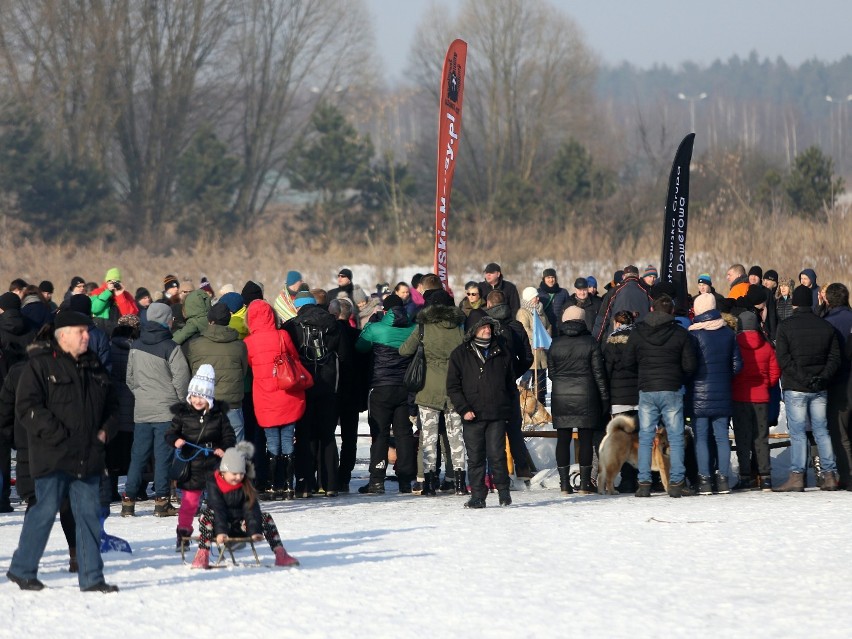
{"x": 472, "y": 294}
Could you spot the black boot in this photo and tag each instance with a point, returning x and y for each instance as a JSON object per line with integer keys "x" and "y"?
{"x": 585, "y": 481}
{"x": 288, "y": 463}
{"x": 460, "y": 482}
{"x": 429, "y": 485}
{"x": 629, "y": 479}
{"x": 183, "y": 535}
{"x": 565, "y": 480}
{"x": 505, "y": 497}
{"x": 275, "y": 490}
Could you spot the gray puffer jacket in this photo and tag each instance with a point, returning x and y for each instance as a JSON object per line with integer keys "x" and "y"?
{"x": 157, "y": 374}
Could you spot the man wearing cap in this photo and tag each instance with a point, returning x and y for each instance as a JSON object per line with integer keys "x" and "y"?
{"x": 221, "y": 347}
{"x": 158, "y": 376}
{"x": 630, "y": 296}
{"x": 110, "y": 300}
{"x": 77, "y": 286}
{"x": 581, "y": 299}
{"x": 69, "y": 410}
{"x": 593, "y": 290}
{"x": 650, "y": 276}
{"x": 809, "y": 355}
{"x": 388, "y": 403}
{"x": 46, "y": 288}
{"x": 171, "y": 286}
{"x": 344, "y": 285}
{"x": 705, "y": 285}
{"x": 494, "y": 282}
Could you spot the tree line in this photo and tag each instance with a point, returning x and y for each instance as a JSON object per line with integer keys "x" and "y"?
{"x": 197, "y": 115}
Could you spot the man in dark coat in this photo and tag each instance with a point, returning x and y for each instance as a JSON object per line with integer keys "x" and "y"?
{"x": 809, "y": 356}
{"x": 494, "y": 282}
{"x": 69, "y": 410}
{"x": 480, "y": 384}
{"x": 630, "y": 296}
{"x": 553, "y": 297}
{"x": 661, "y": 351}
{"x": 15, "y": 334}
{"x": 839, "y": 315}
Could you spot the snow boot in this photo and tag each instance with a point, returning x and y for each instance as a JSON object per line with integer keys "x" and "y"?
{"x": 794, "y": 484}
{"x": 460, "y": 482}
{"x": 183, "y": 535}
{"x": 289, "y": 464}
{"x": 202, "y": 559}
{"x": 505, "y": 497}
{"x": 678, "y": 489}
{"x": 283, "y": 559}
{"x": 705, "y": 485}
{"x": 475, "y": 502}
{"x": 428, "y": 485}
{"x": 722, "y": 486}
{"x": 72, "y": 560}
{"x": 829, "y": 481}
{"x": 128, "y": 507}
{"x": 743, "y": 483}
{"x": 163, "y": 508}
{"x": 24, "y": 584}
{"x": 629, "y": 479}
{"x": 372, "y": 488}
{"x": 585, "y": 481}
{"x": 644, "y": 489}
{"x": 565, "y": 480}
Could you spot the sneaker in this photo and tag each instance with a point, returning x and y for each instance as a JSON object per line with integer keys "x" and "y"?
{"x": 283, "y": 559}
{"x": 372, "y": 489}
{"x": 128, "y": 507}
{"x": 722, "y": 486}
{"x": 24, "y": 584}
{"x": 103, "y": 587}
{"x": 644, "y": 489}
{"x": 163, "y": 508}
{"x": 705, "y": 485}
{"x": 505, "y": 497}
{"x": 417, "y": 487}
{"x": 475, "y": 502}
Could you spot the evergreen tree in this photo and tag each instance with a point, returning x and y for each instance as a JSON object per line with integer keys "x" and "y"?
{"x": 811, "y": 185}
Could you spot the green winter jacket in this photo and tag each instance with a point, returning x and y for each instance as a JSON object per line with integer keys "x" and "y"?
{"x": 222, "y": 348}
{"x": 443, "y": 331}
{"x": 195, "y": 308}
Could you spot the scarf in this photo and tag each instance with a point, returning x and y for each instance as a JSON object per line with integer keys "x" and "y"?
{"x": 550, "y": 290}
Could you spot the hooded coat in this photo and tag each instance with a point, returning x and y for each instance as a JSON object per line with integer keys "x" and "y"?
{"x": 272, "y": 406}
{"x": 221, "y": 347}
{"x": 326, "y": 369}
{"x": 760, "y": 370}
{"x": 579, "y": 396}
{"x": 814, "y": 286}
{"x": 195, "y": 308}
{"x": 623, "y": 381}
{"x": 660, "y": 349}
{"x": 442, "y": 334}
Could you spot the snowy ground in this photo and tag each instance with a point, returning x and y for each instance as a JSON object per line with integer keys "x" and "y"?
{"x": 742, "y": 565}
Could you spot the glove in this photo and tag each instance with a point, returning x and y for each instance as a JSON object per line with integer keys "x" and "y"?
{"x": 817, "y": 384}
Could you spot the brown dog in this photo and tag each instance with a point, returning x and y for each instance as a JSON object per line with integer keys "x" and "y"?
{"x": 621, "y": 444}
{"x": 533, "y": 412}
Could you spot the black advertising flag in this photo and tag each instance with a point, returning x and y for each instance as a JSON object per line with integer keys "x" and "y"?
{"x": 673, "y": 261}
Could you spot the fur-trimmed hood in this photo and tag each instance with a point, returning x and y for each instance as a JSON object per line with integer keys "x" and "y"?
{"x": 495, "y": 328}
{"x": 447, "y": 316}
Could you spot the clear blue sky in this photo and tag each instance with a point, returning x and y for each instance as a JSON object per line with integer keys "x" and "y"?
{"x": 648, "y": 32}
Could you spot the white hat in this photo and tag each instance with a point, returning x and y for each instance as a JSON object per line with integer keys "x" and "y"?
{"x": 529, "y": 294}
{"x": 203, "y": 384}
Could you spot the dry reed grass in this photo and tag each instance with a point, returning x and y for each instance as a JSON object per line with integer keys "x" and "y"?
{"x": 266, "y": 254}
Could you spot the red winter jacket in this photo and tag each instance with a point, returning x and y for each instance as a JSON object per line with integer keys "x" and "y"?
{"x": 760, "y": 370}
{"x": 272, "y": 406}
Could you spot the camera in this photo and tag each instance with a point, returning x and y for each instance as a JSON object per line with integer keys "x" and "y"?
{"x": 116, "y": 285}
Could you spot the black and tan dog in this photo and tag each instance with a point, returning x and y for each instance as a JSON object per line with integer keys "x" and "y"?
{"x": 621, "y": 445}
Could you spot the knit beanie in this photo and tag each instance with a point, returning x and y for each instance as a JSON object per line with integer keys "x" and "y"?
{"x": 238, "y": 460}
{"x": 756, "y": 270}
{"x": 358, "y": 295}
{"x": 113, "y": 275}
{"x": 170, "y": 281}
{"x": 251, "y": 292}
{"x": 345, "y": 272}
{"x": 159, "y": 313}
{"x": 141, "y": 292}
{"x": 573, "y": 313}
{"x": 591, "y": 281}
{"x": 205, "y": 285}
{"x": 529, "y": 294}
{"x": 10, "y": 301}
{"x": 704, "y": 278}
{"x": 703, "y": 303}
{"x": 75, "y": 281}
{"x": 203, "y": 384}
{"x": 234, "y": 301}
{"x": 650, "y": 270}
{"x": 303, "y": 298}
{"x": 293, "y": 277}
{"x": 747, "y": 321}
{"x": 219, "y": 314}
{"x": 802, "y": 296}
{"x": 771, "y": 275}
{"x": 46, "y": 287}
{"x": 474, "y": 318}
{"x": 225, "y": 289}
{"x": 80, "y": 303}
{"x": 392, "y": 301}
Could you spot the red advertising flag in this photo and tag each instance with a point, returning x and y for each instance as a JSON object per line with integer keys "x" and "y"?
{"x": 449, "y": 130}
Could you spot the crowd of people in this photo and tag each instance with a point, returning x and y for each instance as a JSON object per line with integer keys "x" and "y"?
{"x": 109, "y": 384}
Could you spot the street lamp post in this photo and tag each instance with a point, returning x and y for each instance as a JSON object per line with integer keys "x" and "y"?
{"x": 839, "y": 102}
{"x": 692, "y": 99}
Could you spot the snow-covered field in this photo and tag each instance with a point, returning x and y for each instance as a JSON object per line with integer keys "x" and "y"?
{"x": 741, "y": 565}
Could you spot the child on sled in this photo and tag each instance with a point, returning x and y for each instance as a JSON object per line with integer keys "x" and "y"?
{"x": 233, "y": 510}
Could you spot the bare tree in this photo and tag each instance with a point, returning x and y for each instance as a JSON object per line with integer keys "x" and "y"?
{"x": 287, "y": 57}
{"x": 528, "y": 85}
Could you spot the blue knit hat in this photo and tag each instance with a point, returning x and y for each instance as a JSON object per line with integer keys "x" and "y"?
{"x": 303, "y": 298}
{"x": 234, "y": 301}
{"x": 293, "y": 277}
{"x": 592, "y": 282}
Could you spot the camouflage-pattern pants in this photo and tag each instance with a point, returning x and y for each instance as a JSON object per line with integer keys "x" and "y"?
{"x": 205, "y": 529}
{"x": 429, "y": 420}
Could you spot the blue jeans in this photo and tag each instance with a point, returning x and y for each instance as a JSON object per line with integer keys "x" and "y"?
{"x": 235, "y": 416}
{"x": 149, "y": 438}
{"x": 84, "y": 495}
{"x": 799, "y": 407}
{"x": 653, "y": 406}
{"x": 279, "y": 439}
{"x": 702, "y": 444}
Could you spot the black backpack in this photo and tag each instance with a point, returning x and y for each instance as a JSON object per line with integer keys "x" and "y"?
{"x": 314, "y": 348}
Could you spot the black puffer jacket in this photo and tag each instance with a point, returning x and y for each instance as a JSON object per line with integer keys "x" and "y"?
{"x": 13, "y": 433}
{"x": 576, "y": 368}
{"x": 211, "y": 430}
{"x": 807, "y": 347}
{"x": 15, "y": 335}
{"x": 623, "y": 381}
{"x": 516, "y": 337}
{"x": 660, "y": 349}
{"x": 63, "y": 403}
{"x": 323, "y": 367}
{"x": 230, "y": 508}
{"x": 482, "y": 383}
{"x": 119, "y": 354}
